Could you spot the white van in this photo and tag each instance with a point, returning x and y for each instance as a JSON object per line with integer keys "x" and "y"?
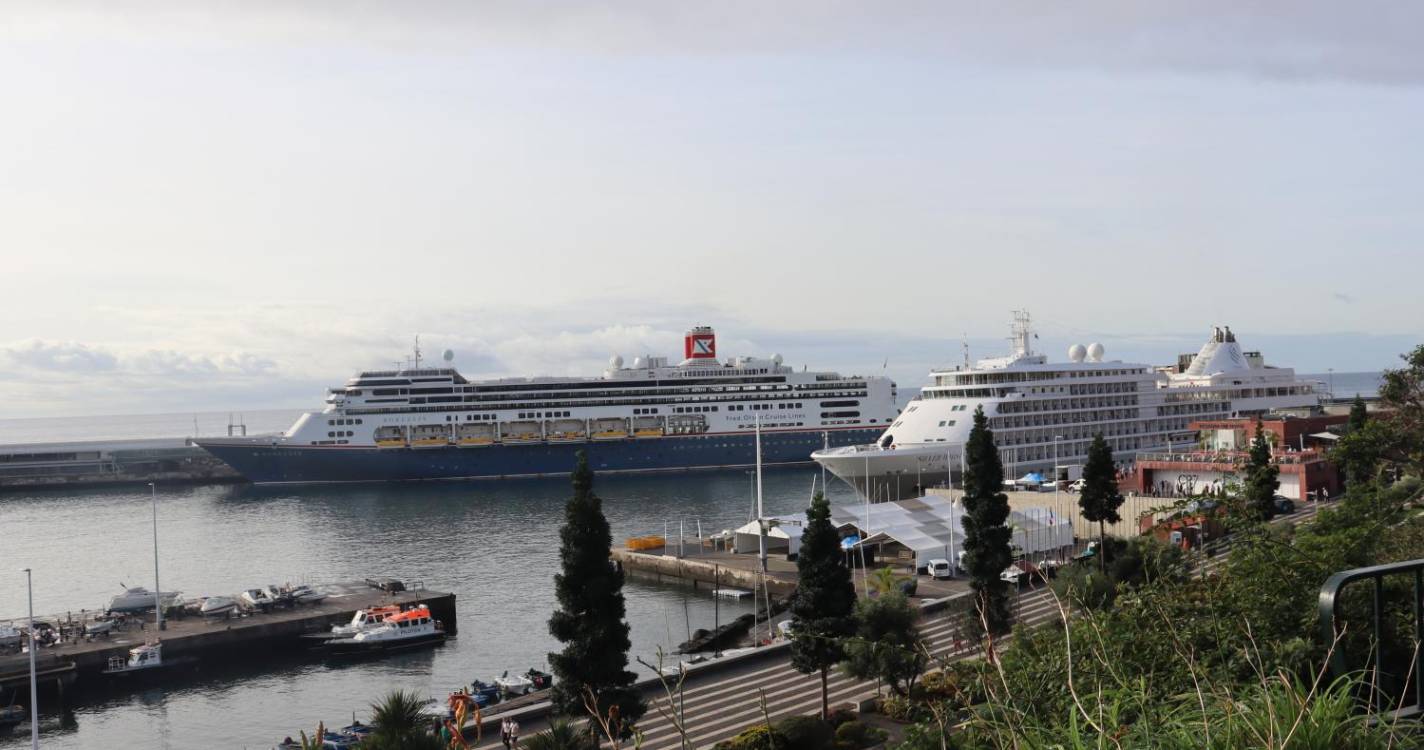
{"x": 939, "y": 568}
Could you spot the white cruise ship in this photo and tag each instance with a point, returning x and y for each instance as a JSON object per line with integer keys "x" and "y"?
{"x": 1045, "y": 414}
{"x": 420, "y": 422}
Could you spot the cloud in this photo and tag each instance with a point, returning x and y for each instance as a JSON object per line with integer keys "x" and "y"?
{"x": 51, "y": 357}
{"x": 1342, "y": 297}
{"x": 1373, "y": 40}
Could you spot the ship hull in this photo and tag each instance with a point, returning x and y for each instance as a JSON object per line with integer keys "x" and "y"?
{"x": 266, "y": 462}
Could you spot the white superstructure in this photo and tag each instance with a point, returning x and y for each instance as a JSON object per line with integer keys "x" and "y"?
{"x": 1044, "y": 415}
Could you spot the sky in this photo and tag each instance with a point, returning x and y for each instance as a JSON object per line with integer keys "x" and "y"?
{"x": 236, "y": 205}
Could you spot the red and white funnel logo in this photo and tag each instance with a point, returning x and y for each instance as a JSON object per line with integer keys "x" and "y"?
{"x": 700, "y": 343}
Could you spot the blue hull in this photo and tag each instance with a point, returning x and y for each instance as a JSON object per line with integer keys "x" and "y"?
{"x": 268, "y": 464}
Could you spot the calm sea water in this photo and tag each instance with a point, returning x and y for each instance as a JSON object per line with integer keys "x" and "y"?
{"x": 1349, "y": 384}
{"x": 492, "y": 543}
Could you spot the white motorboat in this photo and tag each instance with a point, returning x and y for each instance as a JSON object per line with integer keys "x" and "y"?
{"x": 218, "y": 606}
{"x": 256, "y": 599}
{"x": 139, "y": 599}
{"x": 99, "y": 627}
{"x": 10, "y": 636}
{"x": 411, "y": 628}
{"x": 514, "y": 684}
{"x": 365, "y": 619}
{"x": 147, "y": 656}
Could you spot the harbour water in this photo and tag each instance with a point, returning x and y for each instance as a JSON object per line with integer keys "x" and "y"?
{"x": 493, "y": 543}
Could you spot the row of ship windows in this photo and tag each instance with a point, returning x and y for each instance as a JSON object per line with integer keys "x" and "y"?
{"x": 337, "y": 422}
{"x": 580, "y": 393}
{"x": 340, "y": 433}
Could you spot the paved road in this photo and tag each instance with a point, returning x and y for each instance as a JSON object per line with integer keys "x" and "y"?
{"x": 722, "y": 704}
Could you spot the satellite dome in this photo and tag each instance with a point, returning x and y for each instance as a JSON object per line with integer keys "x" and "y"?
{"x": 1077, "y": 352}
{"x": 615, "y": 362}
{"x": 639, "y": 363}
{"x": 1095, "y": 352}
{"x": 776, "y": 359}
{"x": 448, "y": 355}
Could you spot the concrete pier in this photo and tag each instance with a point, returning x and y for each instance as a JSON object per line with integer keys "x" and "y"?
{"x": 250, "y": 637}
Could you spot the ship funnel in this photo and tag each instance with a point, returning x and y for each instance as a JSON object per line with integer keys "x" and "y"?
{"x": 700, "y": 343}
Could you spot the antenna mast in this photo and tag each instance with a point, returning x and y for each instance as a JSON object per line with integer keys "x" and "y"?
{"x": 417, "y": 351}
{"x": 1022, "y": 333}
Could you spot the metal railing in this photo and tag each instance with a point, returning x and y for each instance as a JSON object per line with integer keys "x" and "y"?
{"x": 1331, "y": 632}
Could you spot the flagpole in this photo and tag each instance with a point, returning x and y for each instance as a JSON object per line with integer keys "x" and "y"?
{"x": 761, "y": 512}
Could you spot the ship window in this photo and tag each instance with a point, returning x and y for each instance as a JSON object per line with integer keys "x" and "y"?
{"x": 331, "y": 434}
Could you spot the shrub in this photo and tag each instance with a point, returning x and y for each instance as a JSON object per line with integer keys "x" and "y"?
{"x": 840, "y": 716}
{"x": 897, "y": 708}
{"x": 562, "y": 734}
{"x": 755, "y": 738}
{"x": 855, "y": 735}
{"x": 805, "y": 733}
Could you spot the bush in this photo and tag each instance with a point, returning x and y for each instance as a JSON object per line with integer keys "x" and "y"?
{"x": 805, "y": 733}
{"x": 841, "y": 716}
{"x": 855, "y": 735}
{"x": 897, "y": 708}
{"x": 755, "y": 738}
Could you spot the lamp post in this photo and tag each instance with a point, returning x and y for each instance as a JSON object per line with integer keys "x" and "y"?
{"x": 1056, "y": 438}
{"x": 157, "y": 591}
{"x": 34, "y": 688}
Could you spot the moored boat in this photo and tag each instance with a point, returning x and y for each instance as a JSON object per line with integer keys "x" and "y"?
{"x": 139, "y": 599}
{"x": 218, "y": 606}
{"x": 409, "y": 629}
{"x": 364, "y": 619}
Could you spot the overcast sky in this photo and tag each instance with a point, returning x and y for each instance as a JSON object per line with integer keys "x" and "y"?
{"x": 235, "y": 204}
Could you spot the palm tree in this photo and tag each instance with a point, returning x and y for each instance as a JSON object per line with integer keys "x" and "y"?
{"x": 885, "y": 580}
{"x": 562, "y": 734}
{"x": 400, "y": 721}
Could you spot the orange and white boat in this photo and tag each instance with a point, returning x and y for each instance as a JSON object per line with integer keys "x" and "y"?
{"x": 408, "y": 629}
{"x": 365, "y": 619}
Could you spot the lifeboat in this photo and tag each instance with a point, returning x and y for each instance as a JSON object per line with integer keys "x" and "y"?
{"x": 565, "y": 430}
{"x": 429, "y": 436}
{"x": 608, "y": 428}
{"x": 521, "y": 432}
{"x": 475, "y": 434}
{"x": 390, "y": 436}
{"x": 646, "y": 427}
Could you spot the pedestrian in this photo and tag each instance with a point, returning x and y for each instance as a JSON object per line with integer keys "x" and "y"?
{"x": 504, "y": 733}
{"x": 513, "y": 733}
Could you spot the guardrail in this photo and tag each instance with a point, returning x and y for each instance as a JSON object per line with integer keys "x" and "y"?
{"x": 1330, "y": 631}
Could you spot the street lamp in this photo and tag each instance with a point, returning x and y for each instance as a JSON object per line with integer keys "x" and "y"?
{"x": 1056, "y": 438}
{"x": 34, "y": 688}
{"x": 157, "y": 591}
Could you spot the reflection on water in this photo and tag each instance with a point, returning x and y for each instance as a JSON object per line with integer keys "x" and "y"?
{"x": 494, "y": 544}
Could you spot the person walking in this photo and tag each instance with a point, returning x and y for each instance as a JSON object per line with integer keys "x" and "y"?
{"x": 504, "y": 733}
{"x": 513, "y": 733}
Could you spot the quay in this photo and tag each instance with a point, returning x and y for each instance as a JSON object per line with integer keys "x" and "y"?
{"x": 251, "y": 637}
{"x": 109, "y": 463}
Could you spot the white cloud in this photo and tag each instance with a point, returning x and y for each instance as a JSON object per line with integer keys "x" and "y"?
{"x": 45, "y": 357}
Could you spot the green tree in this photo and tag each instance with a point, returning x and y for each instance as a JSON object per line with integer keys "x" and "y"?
{"x": 1259, "y": 492}
{"x": 1100, "y": 499}
{"x": 887, "y": 645}
{"x": 1359, "y": 414}
{"x": 986, "y": 535}
{"x": 399, "y": 722}
{"x": 824, "y": 599}
{"x": 590, "y": 620}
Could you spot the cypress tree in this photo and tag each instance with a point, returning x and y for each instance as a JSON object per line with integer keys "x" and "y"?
{"x": 824, "y": 602}
{"x": 986, "y": 533}
{"x": 1261, "y": 478}
{"x": 590, "y": 619}
{"x": 1100, "y": 499}
{"x": 1359, "y": 414}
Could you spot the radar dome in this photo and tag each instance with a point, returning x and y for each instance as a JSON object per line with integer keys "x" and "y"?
{"x": 639, "y": 363}
{"x": 1077, "y": 352}
{"x": 448, "y": 355}
{"x": 776, "y": 359}
{"x": 615, "y": 362}
{"x": 1095, "y": 352}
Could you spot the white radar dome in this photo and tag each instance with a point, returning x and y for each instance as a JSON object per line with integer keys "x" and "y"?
{"x": 1077, "y": 352}
{"x": 776, "y": 359}
{"x": 448, "y": 355}
{"x": 1095, "y": 352}
{"x": 615, "y": 362}
{"x": 639, "y": 363}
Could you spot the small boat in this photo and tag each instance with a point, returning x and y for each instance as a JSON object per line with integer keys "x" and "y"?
{"x": 100, "y": 627}
{"x": 541, "y": 680}
{"x": 141, "y": 659}
{"x": 11, "y": 715}
{"x": 512, "y": 685}
{"x": 280, "y": 597}
{"x": 409, "y": 629}
{"x": 484, "y": 694}
{"x": 10, "y": 636}
{"x": 218, "y": 606}
{"x": 256, "y": 599}
{"x": 365, "y": 619}
{"x": 139, "y": 599}
{"x": 307, "y": 595}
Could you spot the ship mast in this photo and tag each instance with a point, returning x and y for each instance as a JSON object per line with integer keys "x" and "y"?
{"x": 1022, "y": 333}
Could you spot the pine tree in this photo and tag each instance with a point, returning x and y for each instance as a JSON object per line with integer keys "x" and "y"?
{"x": 1359, "y": 414}
{"x": 986, "y": 533}
{"x": 1100, "y": 499}
{"x": 1261, "y": 478}
{"x": 824, "y": 601}
{"x": 590, "y": 619}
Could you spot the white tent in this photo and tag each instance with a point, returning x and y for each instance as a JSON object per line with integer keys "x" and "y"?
{"x": 933, "y": 527}
{"x": 783, "y": 535}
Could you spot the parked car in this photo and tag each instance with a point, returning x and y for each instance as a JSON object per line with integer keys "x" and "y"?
{"x": 1284, "y": 505}
{"x": 1014, "y": 575}
{"x": 1077, "y": 485}
{"x": 939, "y": 568}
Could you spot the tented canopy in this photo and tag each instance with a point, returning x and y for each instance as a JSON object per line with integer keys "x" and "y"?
{"x": 783, "y": 535}
{"x": 932, "y": 527}
{"x": 1032, "y": 476}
